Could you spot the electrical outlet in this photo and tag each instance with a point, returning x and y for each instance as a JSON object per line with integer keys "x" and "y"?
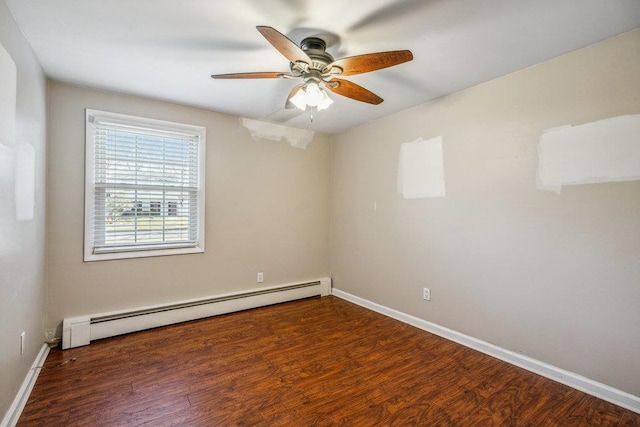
{"x": 260, "y": 277}
{"x": 426, "y": 294}
{"x": 22, "y": 342}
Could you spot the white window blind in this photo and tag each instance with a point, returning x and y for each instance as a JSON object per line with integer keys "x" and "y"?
{"x": 146, "y": 185}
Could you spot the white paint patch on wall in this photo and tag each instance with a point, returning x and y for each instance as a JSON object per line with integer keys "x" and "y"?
{"x": 8, "y": 88}
{"x": 421, "y": 169}
{"x": 25, "y": 170}
{"x": 7, "y": 225}
{"x": 602, "y": 151}
{"x": 297, "y": 138}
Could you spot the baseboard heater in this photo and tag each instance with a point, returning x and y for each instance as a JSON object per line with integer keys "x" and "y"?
{"x": 81, "y": 330}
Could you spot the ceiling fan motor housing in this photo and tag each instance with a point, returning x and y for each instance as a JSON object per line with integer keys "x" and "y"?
{"x": 315, "y": 48}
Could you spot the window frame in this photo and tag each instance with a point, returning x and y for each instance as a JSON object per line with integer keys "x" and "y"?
{"x": 90, "y": 188}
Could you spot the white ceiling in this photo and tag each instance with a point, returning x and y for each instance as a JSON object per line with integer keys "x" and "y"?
{"x": 167, "y": 49}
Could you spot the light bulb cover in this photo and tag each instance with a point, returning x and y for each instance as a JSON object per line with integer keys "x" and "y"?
{"x": 325, "y": 102}
{"x": 313, "y": 94}
{"x": 299, "y": 100}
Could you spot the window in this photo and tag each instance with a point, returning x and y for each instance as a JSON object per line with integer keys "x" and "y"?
{"x": 144, "y": 187}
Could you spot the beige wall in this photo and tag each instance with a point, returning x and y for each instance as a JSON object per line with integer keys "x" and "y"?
{"x": 22, "y": 242}
{"x": 266, "y": 210}
{"x": 555, "y": 277}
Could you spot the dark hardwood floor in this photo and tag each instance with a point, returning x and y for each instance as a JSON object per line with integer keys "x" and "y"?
{"x": 319, "y": 361}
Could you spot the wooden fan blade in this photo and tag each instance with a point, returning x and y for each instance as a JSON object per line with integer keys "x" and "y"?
{"x": 259, "y": 75}
{"x": 353, "y": 91}
{"x": 293, "y": 92}
{"x": 370, "y": 62}
{"x": 289, "y": 49}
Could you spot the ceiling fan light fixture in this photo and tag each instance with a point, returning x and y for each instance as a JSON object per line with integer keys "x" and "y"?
{"x": 311, "y": 95}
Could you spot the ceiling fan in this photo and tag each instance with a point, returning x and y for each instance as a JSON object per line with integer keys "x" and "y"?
{"x": 317, "y": 69}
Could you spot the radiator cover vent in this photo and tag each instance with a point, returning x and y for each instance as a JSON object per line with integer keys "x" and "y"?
{"x": 81, "y": 330}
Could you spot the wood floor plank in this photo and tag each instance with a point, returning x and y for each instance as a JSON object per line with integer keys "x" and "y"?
{"x": 318, "y": 361}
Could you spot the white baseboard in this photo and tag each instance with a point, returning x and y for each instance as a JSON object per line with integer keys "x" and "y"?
{"x": 13, "y": 414}
{"x": 594, "y": 388}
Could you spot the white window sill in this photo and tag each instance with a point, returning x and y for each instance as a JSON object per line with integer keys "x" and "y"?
{"x": 89, "y": 257}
